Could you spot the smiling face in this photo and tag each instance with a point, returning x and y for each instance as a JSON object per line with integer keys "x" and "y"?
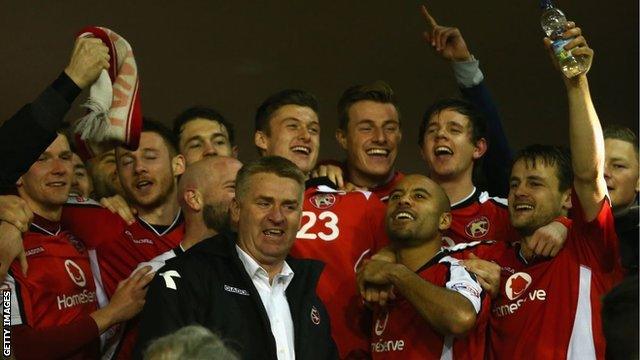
{"x": 371, "y": 139}
{"x": 448, "y": 147}
{"x": 268, "y": 216}
{"x": 203, "y": 137}
{"x": 147, "y": 174}
{"x": 534, "y": 196}
{"x": 621, "y": 172}
{"x": 294, "y": 134}
{"x": 418, "y": 209}
{"x": 45, "y": 187}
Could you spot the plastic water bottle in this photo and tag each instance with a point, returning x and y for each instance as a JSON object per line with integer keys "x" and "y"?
{"x": 554, "y": 24}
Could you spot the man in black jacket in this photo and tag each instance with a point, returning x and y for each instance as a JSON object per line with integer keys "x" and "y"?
{"x": 244, "y": 287}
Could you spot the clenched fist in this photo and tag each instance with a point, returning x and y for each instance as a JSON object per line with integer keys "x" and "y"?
{"x": 89, "y": 57}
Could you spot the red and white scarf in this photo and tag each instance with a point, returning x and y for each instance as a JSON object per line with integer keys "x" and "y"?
{"x": 115, "y": 115}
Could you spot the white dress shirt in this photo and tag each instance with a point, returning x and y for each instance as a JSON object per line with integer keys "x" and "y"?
{"x": 275, "y": 302}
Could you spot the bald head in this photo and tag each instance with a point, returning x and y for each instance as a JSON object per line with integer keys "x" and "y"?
{"x": 208, "y": 170}
{"x": 430, "y": 186}
{"x": 417, "y": 211}
{"x": 206, "y": 189}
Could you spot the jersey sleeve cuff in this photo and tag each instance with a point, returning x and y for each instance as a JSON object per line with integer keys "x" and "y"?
{"x": 467, "y": 73}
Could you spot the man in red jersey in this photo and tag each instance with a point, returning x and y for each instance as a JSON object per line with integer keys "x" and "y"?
{"x": 54, "y": 307}
{"x": 550, "y": 307}
{"x": 148, "y": 177}
{"x": 337, "y": 228}
{"x": 369, "y": 131}
{"x": 441, "y": 310}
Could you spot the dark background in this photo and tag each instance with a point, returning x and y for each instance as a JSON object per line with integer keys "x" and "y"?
{"x": 232, "y": 54}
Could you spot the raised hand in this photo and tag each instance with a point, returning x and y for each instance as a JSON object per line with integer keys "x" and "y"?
{"x": 447, "y": 41}
{"x": 89, "y": 57}
{"x": 578, "y": 47}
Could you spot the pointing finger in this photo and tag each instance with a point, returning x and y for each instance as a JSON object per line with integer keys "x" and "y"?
{"x": 430, "y": 20}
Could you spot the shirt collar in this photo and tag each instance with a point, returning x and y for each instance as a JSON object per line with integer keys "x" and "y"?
{"x": 467, "y": 198}
{"x": 254, "y": 269}
{"x": 42, "y": 225}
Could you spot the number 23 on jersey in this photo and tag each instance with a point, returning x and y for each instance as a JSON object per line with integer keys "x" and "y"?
{"x": 326, "y": 230}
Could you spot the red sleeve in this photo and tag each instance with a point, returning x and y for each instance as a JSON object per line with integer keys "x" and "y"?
{"x": 89, "y": 221}
{"x": 54, "y": 342}
{"x": 376, "y": 211}
{"x": 595, "y": 242}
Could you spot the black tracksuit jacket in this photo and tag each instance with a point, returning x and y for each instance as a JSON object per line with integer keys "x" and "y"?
{"x": 214, "y": 290}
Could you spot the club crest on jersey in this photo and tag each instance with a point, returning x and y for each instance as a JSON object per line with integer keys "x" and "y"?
{"x": 315, "y": 315}
{"x": 477, "y": 227}
{"x": 516, "y": 285}
{"x": 323, "y": 201}
{"x": 75, "y": 272}
{"x": 381, "y": 323}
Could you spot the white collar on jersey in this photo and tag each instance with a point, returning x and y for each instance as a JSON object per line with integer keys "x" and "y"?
{"x": 45, "y": 230}
{"x": 328, "y": 189}
{"x": 473, "y": 192}
{"x": 173, "y": 224}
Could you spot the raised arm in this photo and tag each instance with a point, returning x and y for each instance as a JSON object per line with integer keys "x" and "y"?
{"x": 25, "y": 135}
{"x": 585, "y": 133}
{"x": 451, "y": 46}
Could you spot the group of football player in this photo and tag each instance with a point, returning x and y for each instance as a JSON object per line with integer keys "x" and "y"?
{"x": 489, "y": 254}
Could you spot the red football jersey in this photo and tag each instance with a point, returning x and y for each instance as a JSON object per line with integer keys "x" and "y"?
{"x": 399, "y": 332}
{"x": 59, "y": 288}
{"x": 340, "y": 229}
{"x": 116, "y": 248}
{"x": 550, "y": 309}
{"x": 479, "y": 217}
{"x": 383, "y": 191}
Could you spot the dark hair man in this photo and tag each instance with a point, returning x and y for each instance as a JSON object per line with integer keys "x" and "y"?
{"x": 370, "y": 132}
{"x": 203, "y": 131}
{"x": 337, "y": 228}
{"x": 205, "y": 191}
{"x": 244, "y": 286}
{"x": 440, "y": 310}
{"x": 149, "y": 181}
{"x": 550, "y": 307}
{"x": 287, "y": 125}
{"x": 55, "y": 308}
